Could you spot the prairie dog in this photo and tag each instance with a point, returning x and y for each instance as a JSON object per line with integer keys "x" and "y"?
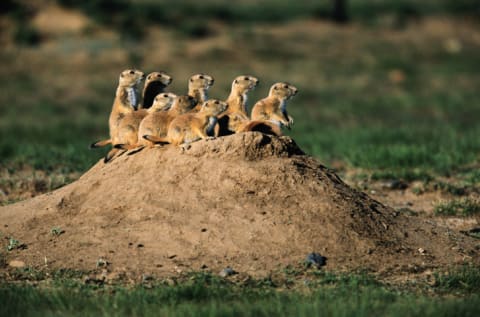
{"x": 191, "y": 127}
{"x": 155, "y": 83}
{"x": 162, "y": 102}
{"x": 156, "y": 123}
{"x": 273, "y": 108}
{"x": 126, "y": 100}
{"x": 198, "y": 86}
{"x": 236, "y": 114}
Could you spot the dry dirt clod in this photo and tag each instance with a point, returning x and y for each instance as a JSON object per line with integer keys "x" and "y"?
{"x": 16, "y": 264}
{"x": 102, "y": 262}
{"x": 228, "y": 271}
{"x": 316, "y": 260}
{"x": 147, "y": 278}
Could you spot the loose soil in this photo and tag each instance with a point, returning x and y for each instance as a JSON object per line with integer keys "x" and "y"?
{"x": 249, "y": 201}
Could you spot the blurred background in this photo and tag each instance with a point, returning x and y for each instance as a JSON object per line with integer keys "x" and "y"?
{"x": 388, "y": 89}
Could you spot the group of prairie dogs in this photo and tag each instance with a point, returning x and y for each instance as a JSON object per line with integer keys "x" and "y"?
{"x": 143, "y": 118}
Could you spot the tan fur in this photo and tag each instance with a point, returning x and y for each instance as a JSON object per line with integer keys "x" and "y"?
{"x": 156, "y": 123}
{"x": 263, "y": 126}
{"x": 191, "y": 127}
{"x": 273, "y": 109}
{"x": 236, "y": 115}
{"x": 155, "y": 83}
{"x": 198, "y": 86}
{"x": 127, "y": 97}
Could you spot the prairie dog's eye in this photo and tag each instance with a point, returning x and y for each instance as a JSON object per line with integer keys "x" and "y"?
{"x": 245, "y": 78}
{"x": 165, "y": 96}
{"x": 216, "y": 102}
{"x": 275, "y": 87}
{"x": 159, "y": 75}
{"x": 201, "y": 76}
{"x": 132, "y": 72}
{"x": 286, "y": 86}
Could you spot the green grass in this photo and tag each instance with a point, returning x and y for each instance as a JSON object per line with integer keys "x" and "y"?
{"x": 459, "y": 207}
{"x": 59, "y": 146}
{"x": 462, "y": 279}
{"x": 206, "y": 295}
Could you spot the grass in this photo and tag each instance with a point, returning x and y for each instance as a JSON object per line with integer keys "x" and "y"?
{"x": 202, "y": 294}
{"x": 459, "y": 207}
{"x": 13, "y": 244}
{"x": 56, "y": 231}
{"x": 460, "y": 279}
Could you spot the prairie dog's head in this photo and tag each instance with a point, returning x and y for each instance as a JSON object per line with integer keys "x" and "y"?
{"x": 183, "y": 104}
{"x": 131, "y": 78}
{"x": 214, "y": 107}
{"x": 244, "y": 83}
{"x": 283, "y": 90}
{"x": 163, "y": 101}
{"x": 161, "y": 77}
{"x": 200, "y": 81}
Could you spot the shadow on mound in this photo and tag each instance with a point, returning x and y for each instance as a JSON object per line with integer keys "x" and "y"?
{"x": 249, "y": 201}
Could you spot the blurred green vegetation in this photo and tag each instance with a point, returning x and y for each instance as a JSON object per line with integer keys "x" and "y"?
{"x": 188, "y": 17}
{"x": 460, "y": 207}
{"x": 131, "y": 17}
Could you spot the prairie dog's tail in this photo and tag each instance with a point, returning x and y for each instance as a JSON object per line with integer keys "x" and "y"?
{"x": 126, "y": 146}
{"x": 156, "y": 139}
{"x": 135, "y": 148}
{"x": 100, "y": 143}
{"x": 111, "y": 155}
{"x": 266, "y": 127}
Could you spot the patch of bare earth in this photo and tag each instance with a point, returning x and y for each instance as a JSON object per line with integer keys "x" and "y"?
{"x": 249, "y": 201}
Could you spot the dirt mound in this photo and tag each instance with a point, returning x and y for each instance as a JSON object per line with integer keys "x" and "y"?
{"x": 249, "y": 201}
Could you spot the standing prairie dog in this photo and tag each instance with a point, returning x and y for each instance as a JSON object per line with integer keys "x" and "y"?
{"x": 126, "y": 100}
{"x": 191, "y": 127}
{"x": 155, "y": 83}
{"x": 156, "y": 123}
{"x": 198, "y": 86}
{"x": 272, "y": 110}
{"x": 236, "y": 115}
